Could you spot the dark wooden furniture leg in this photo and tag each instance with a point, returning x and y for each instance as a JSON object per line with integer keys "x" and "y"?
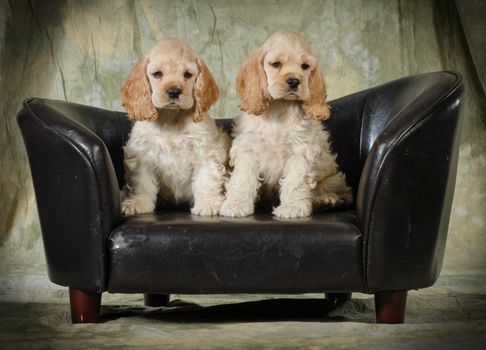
{"x": 390, "y": 306}
{"x": 156, "y": 299}
{"x": 85, "y": 306}
{"x": 338, "y": 298}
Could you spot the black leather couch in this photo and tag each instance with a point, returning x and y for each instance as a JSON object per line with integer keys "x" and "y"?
{"x": 397, "y": 144}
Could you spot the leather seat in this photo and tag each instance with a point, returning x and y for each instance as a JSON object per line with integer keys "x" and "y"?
{"x": 175, "y": 252}
{"x": 397, "y": 143}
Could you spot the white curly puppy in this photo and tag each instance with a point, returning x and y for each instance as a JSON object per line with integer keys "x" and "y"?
{"x": 175, "y": 149}
{"x": 279, "y": 139}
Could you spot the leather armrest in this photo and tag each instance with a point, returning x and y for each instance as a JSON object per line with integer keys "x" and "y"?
{"x": 345, "y": 135}
{"x": 76, "y": 189}
{"x": 407, "y": 184}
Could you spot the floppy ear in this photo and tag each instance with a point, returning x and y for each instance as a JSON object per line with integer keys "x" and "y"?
{"x": 136, "y": 93}
{"x": 315, "y": 106}
{"x": 251, "y": 85}
{"x": 206, "y": 91}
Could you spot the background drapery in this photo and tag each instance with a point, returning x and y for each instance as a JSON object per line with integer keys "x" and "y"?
{"x": 80, "y": 51}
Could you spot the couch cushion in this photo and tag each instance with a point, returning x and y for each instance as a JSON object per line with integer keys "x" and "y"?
{"x": 175, "y": 252}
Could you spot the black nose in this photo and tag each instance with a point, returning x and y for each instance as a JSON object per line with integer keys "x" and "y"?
{"x": 293, "y": 82}
{"x": 173, "y": 92}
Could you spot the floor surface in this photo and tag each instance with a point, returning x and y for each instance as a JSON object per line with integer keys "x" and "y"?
{"x": 34, "y": 314}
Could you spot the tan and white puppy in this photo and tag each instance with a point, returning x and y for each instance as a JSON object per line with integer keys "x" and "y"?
{"x": 279, "y": 139}
{"x": 175, "y": 150}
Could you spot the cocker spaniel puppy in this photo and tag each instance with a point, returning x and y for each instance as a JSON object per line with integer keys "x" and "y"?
{"x": 279, "y": 138}
{"x": 174, "y": 149}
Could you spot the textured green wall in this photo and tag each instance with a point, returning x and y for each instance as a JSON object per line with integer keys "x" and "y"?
{"x": 81, "y": 50}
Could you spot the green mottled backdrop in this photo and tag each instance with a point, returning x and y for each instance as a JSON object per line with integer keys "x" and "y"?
{"x": 80, "y": 51}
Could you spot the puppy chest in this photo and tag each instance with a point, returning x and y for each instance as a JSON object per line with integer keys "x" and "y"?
{"x": 272, "y": 153}
{"x": 176, "y": 162}
{"x": 172, "y": 158}
{"x": 273, "y": 147}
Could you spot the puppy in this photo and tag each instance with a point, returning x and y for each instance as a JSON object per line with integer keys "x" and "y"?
{"x": 175, "y": 149}
{"x": 279, "y": 139}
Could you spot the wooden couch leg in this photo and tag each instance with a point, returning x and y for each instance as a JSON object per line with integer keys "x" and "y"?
{"x": 85, "y": 306}
{"x": 390, "y": 306}
{"x": 156, "y": 299}
{"x": 338, "y": 298}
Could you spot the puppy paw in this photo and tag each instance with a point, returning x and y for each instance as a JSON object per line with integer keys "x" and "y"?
{"x": 329, "y": 200}
{"x": 131, "y": 206}
{"x": 207, "y": 209}
{"x": 236, "y": 209}
{"x": 287, "y": 211}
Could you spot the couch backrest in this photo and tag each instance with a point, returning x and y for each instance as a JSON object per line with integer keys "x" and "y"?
{"x": 356, "y": 121}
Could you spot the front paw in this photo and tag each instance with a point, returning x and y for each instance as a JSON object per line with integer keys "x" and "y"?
{"x": 207, "y": 208}
{"x": 132, "y": 206}
{"x": 287, "y": 211}
{"x": 236, "y": 208}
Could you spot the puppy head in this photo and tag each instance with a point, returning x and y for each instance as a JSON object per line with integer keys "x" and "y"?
{"x": 284, "y": 68}
{"x": 170, "y": 77}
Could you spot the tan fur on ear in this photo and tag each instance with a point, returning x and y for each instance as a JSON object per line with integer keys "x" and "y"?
{"x": 206, "y": 91}
{"x": 136, "y": 93}
{"x": 316, "y": 106}
{"x": 251, "y": 85}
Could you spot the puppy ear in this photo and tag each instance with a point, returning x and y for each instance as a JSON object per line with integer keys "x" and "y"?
{"x": 136, "y": 96}
{"x": 251, "y": 85}
{"x": 206, "y": 91}
{"x": 315, "y": 106}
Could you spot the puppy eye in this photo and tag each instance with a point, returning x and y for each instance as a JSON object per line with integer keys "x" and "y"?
{"x": 188, "y": 75}
{"x": 157, "y": 75}
{"x": 305, "y": 66}
{"x": 276, "y": 64}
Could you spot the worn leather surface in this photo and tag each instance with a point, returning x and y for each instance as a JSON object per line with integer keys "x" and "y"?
{"x": 396, "y": 143}
{"x": 75, "y": 185}
{"x": 407, "y": 183}
{"x": 175, "y": 252}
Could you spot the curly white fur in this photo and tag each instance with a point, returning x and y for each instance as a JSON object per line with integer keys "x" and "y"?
{"x": 282, "y": 144}
{"x": 182, "y": 162}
